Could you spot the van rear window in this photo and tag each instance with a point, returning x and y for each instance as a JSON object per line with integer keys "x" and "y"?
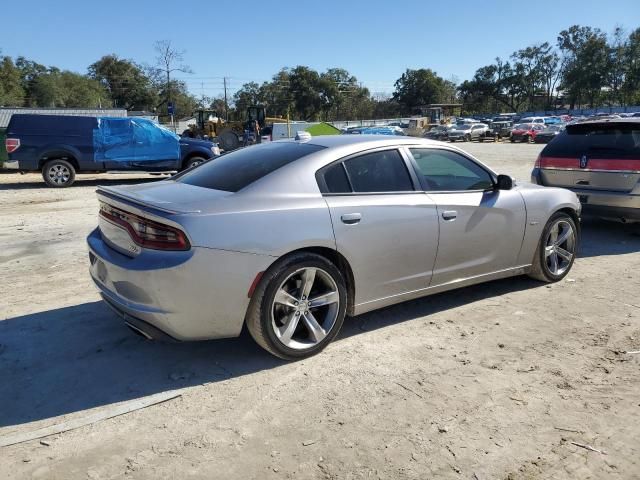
{"x": 596, "y": 140}
{"x": 236, "y": 170}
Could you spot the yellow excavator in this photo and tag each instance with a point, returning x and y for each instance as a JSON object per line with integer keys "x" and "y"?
{"x": 228, "y": 134}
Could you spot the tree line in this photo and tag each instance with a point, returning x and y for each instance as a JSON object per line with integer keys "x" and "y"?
{"x": 583, "y": 67}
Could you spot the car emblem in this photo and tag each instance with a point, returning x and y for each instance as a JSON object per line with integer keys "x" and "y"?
{"x": 583, "y": 161}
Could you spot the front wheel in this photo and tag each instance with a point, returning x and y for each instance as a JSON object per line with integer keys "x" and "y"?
{"x": 58, "y": 173}
{"x": 193, "y": 162}
{"x": 298, "y": 307}
{"x": 556, "y": 250}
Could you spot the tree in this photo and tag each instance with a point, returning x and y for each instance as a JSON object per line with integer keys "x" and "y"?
{"x": 631, "y": 86}
{"x": 168, "y": 61}
{"x": 30, "y": 71}
{"x": 587, "y": 60}
{"x": 248, "y": 94}
{"x": 11, "y": 91}
{"x": 128, "y": 85}
{"x": 419, "y": 87}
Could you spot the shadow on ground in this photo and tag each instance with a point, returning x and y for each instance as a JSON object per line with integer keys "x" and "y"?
{"x": 602, "y": 237}
{"x": 81, "y": 182}
{"x": 70, "y": 359}
{"x": 79, "y": 357}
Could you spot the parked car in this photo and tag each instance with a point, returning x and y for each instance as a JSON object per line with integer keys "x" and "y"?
{"x": 499, "y": 129}
{"x": 539, "y": 120}
{"x": 201, "y": 254}
{"x": 377, "y": 131}
{"x": 467, "y": 132}
{"x": 439, "y": 132}
{"x": 60, "y": 146}
{"x": 548, "y": 133}
{"x": 525, "y": 132}
{"x": 600, "y": 161}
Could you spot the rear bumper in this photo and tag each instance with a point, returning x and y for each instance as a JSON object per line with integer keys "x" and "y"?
{"x": 11, "y": 165}
{"x": 188, "y": 295}
{"x": 603, "y": 203}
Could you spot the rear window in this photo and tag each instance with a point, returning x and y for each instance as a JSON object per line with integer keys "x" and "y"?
{"x": 597, "y": 141}
{"x": 236, "y": 170}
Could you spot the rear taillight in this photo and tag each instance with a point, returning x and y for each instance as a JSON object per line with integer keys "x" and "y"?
{"x": 12, "y": 144}
{"x": 538, "y": 162}
{"x": 144, "y": 232}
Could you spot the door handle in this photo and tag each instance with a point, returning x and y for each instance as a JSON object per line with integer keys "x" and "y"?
{"x": 351, "y": 218}
{"x": 449, "y": 214}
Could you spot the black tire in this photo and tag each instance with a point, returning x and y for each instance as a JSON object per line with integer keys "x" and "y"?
{"x": 259, "y": 314}
{"x": 193, "y": 161}
{"x": 511, "y": 139}
{"x": 467, "y": 138}
{"x": 540, "y": 269}
{"x": 228, "y": 141}
{"x": 58, "y": 173}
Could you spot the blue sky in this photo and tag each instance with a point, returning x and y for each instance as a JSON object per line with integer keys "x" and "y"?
{"x": 246, "y": 40}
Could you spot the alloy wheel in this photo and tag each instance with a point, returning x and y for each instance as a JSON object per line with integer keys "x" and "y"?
{"x": 560, "y": 246}
{"x": 305, "y": 308}
{"x": 59, "y": 174}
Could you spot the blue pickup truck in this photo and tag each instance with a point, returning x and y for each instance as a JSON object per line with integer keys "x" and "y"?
{"x": 59, "y": 146}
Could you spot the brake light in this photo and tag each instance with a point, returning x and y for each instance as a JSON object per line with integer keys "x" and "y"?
{"x": 144, "y": 232}
{"x": 538, "y": 162}
{"x": 11, "y": 144}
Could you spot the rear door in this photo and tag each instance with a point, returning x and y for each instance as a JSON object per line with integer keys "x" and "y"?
{"x": 383, "y": 223}
{"x": 481, "y": 229}
{"x": 593, "y": 157}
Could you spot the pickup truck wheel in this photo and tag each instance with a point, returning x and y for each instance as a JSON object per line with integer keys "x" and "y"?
{"x": 58, "y": 173}
{"x": 193, "y": 162}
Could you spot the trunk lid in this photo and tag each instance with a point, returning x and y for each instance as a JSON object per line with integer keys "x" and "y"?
{"x": 166, "y": 196}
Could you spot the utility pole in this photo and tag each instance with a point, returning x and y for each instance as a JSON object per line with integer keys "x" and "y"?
{"x": 226, "y": 105}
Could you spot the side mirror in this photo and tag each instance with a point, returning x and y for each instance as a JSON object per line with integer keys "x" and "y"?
{"x": 505, "y": 182}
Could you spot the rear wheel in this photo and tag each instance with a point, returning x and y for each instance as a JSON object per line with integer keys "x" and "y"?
{"x": 556, "y": 250}
{"x": 58, "y": 173}
{"x": 298, "y": 307}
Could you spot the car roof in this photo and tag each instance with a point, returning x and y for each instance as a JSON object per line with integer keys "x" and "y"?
{"x": 364, "y": 141}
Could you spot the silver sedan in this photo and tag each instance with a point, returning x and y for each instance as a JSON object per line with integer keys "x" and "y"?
{"x": 290, "y": 237}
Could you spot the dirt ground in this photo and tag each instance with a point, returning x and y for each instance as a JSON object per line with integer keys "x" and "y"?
{"x": 497, "y": 381}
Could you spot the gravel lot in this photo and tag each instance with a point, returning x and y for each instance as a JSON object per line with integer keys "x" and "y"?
{"x": 503, "y": 380}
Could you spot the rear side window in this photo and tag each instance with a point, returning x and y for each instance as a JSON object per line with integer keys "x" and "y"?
{"x": 236, "y": 170}
{"x": 379, "y": 172}
{"x": 596, "y": 141}
{"x": 336, "y": 179}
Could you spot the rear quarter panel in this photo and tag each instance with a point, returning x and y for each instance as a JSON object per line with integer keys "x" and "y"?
{"x": 541, "y": 203}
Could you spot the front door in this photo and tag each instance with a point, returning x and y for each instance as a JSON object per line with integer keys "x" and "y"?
{"x": 481, "y": 229}
{"x": 383, "y": 224}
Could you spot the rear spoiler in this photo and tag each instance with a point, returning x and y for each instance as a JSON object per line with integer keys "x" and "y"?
{"x": 166, "y": 207}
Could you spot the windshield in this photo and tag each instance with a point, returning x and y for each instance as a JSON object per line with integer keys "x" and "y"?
{"x": 522, "y": 126}
{"x": 463, "y": 127}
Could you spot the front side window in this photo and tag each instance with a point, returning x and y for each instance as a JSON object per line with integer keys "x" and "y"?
{"x": 444, "y": 170}
{"x": 378, "y": 172}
